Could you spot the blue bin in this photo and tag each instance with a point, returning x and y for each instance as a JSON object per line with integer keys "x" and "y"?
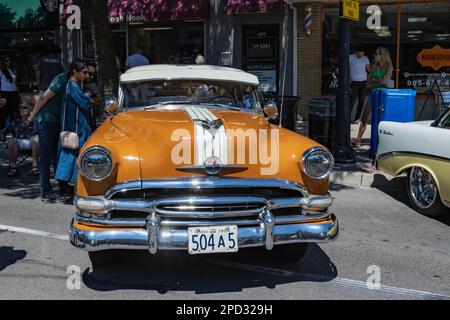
{"x": 396, "y": 105}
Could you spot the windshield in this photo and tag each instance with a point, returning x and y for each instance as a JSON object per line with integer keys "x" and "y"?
{"x": 158, "y": 94}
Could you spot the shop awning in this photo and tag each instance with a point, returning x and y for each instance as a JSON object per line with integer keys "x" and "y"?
{"x": 248, "y": 6}
{"x": 154, "y": 10}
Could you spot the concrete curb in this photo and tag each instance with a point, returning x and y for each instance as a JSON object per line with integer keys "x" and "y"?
{"x": 360, "y": 179}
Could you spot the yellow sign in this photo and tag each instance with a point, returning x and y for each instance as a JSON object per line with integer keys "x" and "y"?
{"x": 350, "y": 9}
{"x": 436, "y": 57}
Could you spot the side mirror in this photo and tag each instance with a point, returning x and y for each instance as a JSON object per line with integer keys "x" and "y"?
{"x": 111, "y": 105}
{"x": 270, "y": 110}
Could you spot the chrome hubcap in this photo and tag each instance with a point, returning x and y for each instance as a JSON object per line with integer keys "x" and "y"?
{"x": 422, "y": 188}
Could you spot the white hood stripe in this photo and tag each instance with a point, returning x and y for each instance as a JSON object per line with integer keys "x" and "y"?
{"x": 208, "y": 142}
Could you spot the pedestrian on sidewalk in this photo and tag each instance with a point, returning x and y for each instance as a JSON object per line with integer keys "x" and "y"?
{"x": 359, "y": 67}
{"x": 379, "y": 76}
{"x": 74, "y": 110}
{"x": 46, "y": 112}
{"x": 9, "y": 92}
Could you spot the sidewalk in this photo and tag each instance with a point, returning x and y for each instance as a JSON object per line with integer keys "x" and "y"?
{"x": 361, "y": 174}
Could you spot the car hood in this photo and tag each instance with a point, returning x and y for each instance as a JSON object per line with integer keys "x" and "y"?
{"x": 171, "y": 144}
{"x": 169, "y": 140}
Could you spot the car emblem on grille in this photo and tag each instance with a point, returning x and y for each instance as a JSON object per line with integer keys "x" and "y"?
{"x": 213, "y": 166}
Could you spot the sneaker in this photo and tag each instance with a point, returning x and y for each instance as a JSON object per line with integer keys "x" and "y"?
{"x": 52, "y": 197}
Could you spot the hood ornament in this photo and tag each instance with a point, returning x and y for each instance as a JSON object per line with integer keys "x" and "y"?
{"x": 210, "y": 124}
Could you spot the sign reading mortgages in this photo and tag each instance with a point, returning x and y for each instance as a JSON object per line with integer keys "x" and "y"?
{"x": 261, "y": 55}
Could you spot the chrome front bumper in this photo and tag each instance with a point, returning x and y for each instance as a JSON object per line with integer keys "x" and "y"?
{"x": 154, "y": 238}
{"x": 260, "y": 222}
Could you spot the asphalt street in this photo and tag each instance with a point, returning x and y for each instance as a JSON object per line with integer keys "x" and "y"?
{"x": 379, "y": 231}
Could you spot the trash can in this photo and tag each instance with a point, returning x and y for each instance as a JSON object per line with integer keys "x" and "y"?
{"x": 396, "y": 105}
{"x": 289, "y": 116}
{"x": 322, "y": 117}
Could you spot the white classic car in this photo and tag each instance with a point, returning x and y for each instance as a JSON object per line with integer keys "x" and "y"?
{"x": 422, "y": 150}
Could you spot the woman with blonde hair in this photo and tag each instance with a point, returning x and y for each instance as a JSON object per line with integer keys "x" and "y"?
{"x": 380, "y": 73}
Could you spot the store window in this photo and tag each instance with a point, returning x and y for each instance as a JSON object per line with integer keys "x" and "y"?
{"x": 424, "y": 58}
{"x": 260, "y": 54}
{"x": 172, "y": 42}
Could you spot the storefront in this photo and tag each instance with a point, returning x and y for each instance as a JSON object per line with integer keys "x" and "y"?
{"x": 26, "y": 30}
{"x": 418, "y": 51}
{"x": 416, "y": 33}
{"x": 255, "y": 35}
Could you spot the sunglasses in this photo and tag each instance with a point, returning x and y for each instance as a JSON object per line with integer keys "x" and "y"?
{"x": 377, "y": 54}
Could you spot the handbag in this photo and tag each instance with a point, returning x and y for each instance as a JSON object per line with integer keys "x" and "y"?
{"x": 69, "y": 139}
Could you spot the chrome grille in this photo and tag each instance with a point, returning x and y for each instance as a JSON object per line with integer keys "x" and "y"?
{"x": 212, "y": 207}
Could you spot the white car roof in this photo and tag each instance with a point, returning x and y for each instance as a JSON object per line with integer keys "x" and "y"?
{"x": 184, "y": 72}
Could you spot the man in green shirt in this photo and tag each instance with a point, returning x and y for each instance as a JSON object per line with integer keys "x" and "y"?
{"x": 46, "y": 113}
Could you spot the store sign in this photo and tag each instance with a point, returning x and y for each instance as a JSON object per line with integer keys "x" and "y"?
{"x": 350, "y": 9}
{"x": 267, "y": 76}
{"x": 435, "y": 58}
{"x": 427, "y": 79}
{"x": 262, "y": 61}
{"x": 261, "y": 48}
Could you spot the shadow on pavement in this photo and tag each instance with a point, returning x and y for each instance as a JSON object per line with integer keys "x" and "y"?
{"x": 178, "y": 271}
{"x": 397, "y": 191}
{"x": 9, "y": 256}
{"x": 23, "y": 185}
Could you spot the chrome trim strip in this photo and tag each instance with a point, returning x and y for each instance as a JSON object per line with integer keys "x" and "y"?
{"x": 269, "y": 223}
{"x": 310, "y": 203}
{"x": 177, "y": 239}
{"x": 206, "y": 183}
{"x": 194, "y": 223}
{"x": 207, "y": 214}
{"x": 123, "y": 187}
{"x": 410, "y": 153}
{"x": 153, "y": 224}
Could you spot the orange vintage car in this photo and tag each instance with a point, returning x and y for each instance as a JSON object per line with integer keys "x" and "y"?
{"x": 189, "y": 161}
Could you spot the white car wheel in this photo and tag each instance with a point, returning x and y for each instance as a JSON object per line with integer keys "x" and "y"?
{"x": 423, "y": 192}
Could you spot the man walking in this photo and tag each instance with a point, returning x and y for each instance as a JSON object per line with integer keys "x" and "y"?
{"x": 359, "y": 66}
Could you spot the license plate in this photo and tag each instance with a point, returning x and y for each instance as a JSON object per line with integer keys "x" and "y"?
{"x": 212, "y": 239}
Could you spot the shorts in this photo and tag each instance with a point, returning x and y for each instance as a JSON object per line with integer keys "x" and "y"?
{"x": 24, "y": 144}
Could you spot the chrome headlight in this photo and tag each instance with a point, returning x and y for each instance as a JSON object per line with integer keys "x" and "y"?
{"x": 317, "y": 162}
{"x": 96, "y": 163}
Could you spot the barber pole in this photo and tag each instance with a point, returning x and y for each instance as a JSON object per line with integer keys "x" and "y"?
{"x": 308, "y": 20}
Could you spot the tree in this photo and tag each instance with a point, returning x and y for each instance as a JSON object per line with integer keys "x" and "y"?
{"x": 95, "y": 19}
{"x": 7, "y": 16}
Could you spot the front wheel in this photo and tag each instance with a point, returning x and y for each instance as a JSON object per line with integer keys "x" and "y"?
{"x": 423, "y": 192}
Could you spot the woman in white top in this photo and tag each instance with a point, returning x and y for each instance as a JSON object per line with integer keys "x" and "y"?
{"x": 8, "y": 91}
